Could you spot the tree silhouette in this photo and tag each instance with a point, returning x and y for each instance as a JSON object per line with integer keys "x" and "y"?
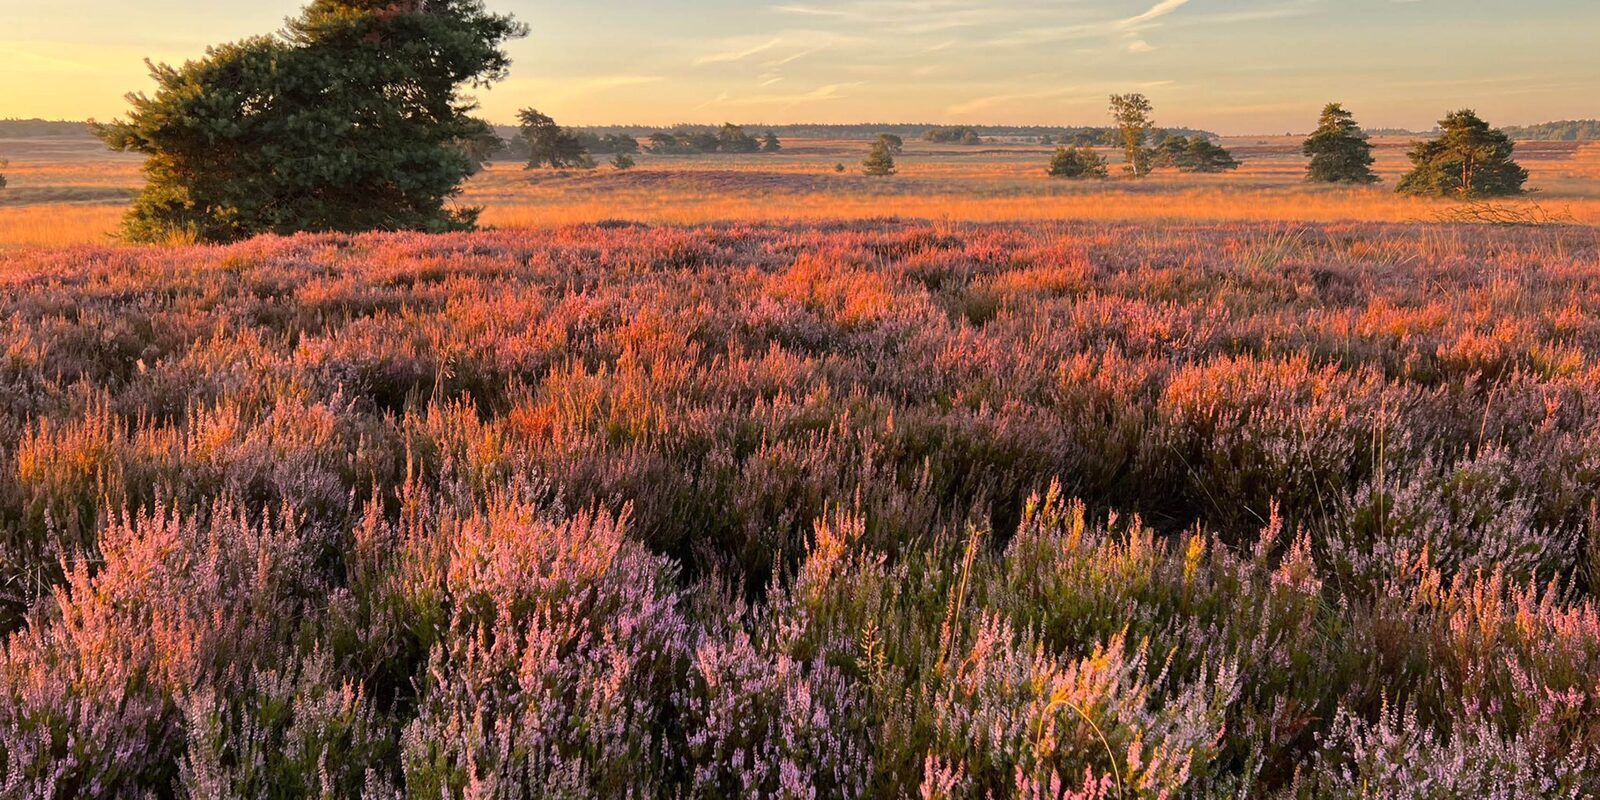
{"x": 1339, "y": 151}
{"x": 1469, "y": 160}
{"x": 549, "y": 144}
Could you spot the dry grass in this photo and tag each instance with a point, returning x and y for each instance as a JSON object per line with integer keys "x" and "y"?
{"x": 58, "y": 224}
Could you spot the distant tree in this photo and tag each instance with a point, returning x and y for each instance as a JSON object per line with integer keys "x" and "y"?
{"x": 1047, "y": 139}
{"x": 1193, "y": 154}
{"x": 483, "y": 147}
{"x": 733, "y": 139}
{"x": 1469, "y": 159}
{"x": 1339, "y": 151}
{"x": 622, "y": 161}
{"x": 770, "y": 143}
{"x": 669, "y": 144}
{"x": 549, "y": 144}
{"x": 1077, "y": 163}
{"x": 349, "y": 119}
{"x": 838, "y": 168}
{"x": 607, "y": 144}
{"x": 895, "y": 144}
{"x": 701, "y": 141}
{"x": 879, "y": 162}
{"x": 3, "y": 164}
{"x": 959, "y": 134}
{"x": 623, "y": 143}
{"x": 1131, "y": 112}
{"x": 1572, "y": 130}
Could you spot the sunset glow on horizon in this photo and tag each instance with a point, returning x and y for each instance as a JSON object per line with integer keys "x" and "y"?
{"x": 1252, "y": 66}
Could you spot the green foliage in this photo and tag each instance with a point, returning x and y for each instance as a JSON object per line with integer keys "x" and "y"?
{"x": 350, "y": 119}
{"x": 958, "y": 134}
{"x": 733, "y": 139}
{"x": 549, "y": 144}
{"x": 1468, "y": 160}
{"x": 1572, "y": 130}
{"x": 879, "y": 162}
{"x": 623, "y": 161}
{"x": 1339, "y": 151}
{"x": 895, "y": 144}
{"x": 730, "y": 138}
{"x": 1194, "y": 154}
{"x": 770, "y": 143}
{"x": 1131, "y": 112}
{"x": 663, "y": 143}
{"x": 1077, "y": 163}
{"x": 607, "y": 144}
{"x": 3, "y": 164}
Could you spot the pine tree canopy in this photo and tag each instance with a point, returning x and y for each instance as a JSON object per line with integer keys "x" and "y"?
{"x": 1339, "y": 150}
{"x": 880, "y": 161}
{"x": 1468, "y": 160}
{"x": 350, "y": 119}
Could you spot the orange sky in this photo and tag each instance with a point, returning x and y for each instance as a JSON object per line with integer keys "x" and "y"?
{"x": 1240, "y": 66}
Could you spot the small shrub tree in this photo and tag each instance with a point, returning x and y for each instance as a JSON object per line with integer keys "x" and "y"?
{"x": 1131, "y": 112}
{"x": 879, "y": 162}
{"x": 1469, "y": 160}
{"x": 896, "y": 144}
{"x": 1077, "y": 163}
{"x": 1339, "y": 150}
{"x": 958, "y": 134}
{"x": 770, "y": 142}
{"x": 549, "y": 144}
{"x": 1194, "y": 154}
{"x": 622, "y": 161}
{"x": 3, "y": 164}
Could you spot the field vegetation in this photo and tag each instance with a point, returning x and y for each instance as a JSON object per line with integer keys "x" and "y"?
{"x": 1069, "y": 463}
{"x": 69, "y": 190}
{"x": 854, "y": 508}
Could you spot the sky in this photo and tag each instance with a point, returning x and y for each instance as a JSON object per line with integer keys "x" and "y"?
{"x": 1230, "y": 66}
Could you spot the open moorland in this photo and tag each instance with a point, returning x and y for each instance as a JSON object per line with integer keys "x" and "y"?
{"x": 1241, "y": 499}
{"x": 71, "y": 190}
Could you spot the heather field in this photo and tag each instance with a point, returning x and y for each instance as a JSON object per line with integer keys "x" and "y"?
{"x": 830, "y": 508}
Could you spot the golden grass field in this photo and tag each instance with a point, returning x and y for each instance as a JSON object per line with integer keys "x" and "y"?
{"x": 71, "y": 190}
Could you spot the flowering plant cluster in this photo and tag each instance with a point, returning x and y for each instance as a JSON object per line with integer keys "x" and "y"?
{"x": 876, "y": 509}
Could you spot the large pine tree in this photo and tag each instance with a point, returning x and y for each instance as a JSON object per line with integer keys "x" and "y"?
{"x": 1469, "y": 160}
{"x": 1339, "y": 150}
{"x": 350, "y": 119}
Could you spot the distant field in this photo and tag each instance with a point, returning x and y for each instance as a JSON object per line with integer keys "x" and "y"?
{"x": 70, "y": 190}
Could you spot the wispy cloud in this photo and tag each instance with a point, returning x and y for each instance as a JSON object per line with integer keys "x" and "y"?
{"x": 739, "y": 54}
{"x": 1156, "y": 12}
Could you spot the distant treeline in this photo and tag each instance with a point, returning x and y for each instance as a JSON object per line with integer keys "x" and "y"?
{"x": 1572, "y": 130}
{"x": 906, "y": 131}
{"x": 32, "y": 128}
